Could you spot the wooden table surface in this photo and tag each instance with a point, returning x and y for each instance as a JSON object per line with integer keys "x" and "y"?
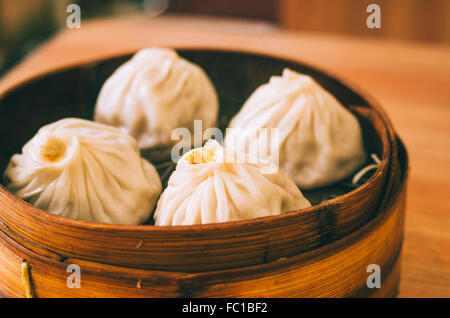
{"x": 411, "y": 81}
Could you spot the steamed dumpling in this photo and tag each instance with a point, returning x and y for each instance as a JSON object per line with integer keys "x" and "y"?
{"x": 210, "y": 185}
{"x": 320, "y": 141}
{"x": 87, "y": 171}
{"x": 154, "y": 93}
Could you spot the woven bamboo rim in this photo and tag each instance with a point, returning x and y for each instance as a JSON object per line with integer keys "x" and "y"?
{"x": 206, "y": 247}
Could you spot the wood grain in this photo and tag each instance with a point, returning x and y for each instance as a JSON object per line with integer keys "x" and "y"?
{"x": 411, "y": 81}
{"x": 400, "y": 19}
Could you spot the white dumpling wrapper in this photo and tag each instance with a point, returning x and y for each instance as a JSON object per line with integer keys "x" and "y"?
{"x": 320, "y": 141}
{"x": 154, "y": 93}
{"x": 86, "y": 171}
{"x": 222, "y": 189}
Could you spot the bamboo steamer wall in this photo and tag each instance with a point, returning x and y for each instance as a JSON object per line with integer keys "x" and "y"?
{"x": 272, "y": 256}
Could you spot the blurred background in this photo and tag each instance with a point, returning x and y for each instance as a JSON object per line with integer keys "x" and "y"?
{"x": 406, "y": 68}
{"x": 25, "y": 24}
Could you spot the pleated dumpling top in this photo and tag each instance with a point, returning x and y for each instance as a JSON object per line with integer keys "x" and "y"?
{"x": 86, "y": 171}
{"x": 212, "y": 185}
{"x": 154, "y": 93}
{"x": 320, "y": 141}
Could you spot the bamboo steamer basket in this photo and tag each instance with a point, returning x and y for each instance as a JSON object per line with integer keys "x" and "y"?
{"x": 320, "y": 251}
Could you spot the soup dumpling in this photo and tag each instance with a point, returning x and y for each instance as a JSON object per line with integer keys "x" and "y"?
{"x": 86, "y": 171}
{"x": 211, "y": 185}
{"x": 320, "y": 141}
{"x": 154, "y": 93}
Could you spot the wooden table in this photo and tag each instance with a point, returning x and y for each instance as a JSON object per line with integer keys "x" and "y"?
{"x": 412, "y": 82}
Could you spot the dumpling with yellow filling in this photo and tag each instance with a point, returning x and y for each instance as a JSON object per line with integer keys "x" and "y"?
{"x": 86, "y": 171}
{"x": 213, "y": 185}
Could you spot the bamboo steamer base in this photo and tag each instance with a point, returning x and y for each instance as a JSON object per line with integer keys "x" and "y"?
{"x": 72, "y": 92}
{"x": 336, "y": 270}
{"x": 339, "y": 272}
{"x": 323, "y": 251}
